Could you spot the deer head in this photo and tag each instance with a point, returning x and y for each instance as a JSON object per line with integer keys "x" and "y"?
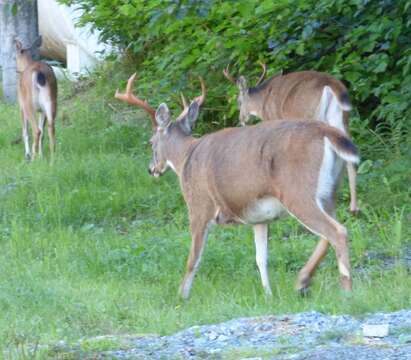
{"x": 166, "y": 133}
{"x": 24, "y": 55}
{"x": 245, "y": 103}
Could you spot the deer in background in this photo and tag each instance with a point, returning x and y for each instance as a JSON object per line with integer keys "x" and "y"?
{"x": 37, "y": 92}
{"x": 304, "y": 95}
{"x": 253, "y": 175}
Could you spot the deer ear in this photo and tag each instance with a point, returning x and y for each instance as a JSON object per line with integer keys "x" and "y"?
{"x": 189, "y": 120}
{"x": 19, "y": 45}
{"x": 242, "y": 83}
{"x": 163, "y": 116}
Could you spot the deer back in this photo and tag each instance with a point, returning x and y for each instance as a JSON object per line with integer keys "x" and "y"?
{"x": 296, "y": 95}
{"x": 235, "y": 167}
{"x": 38, "y": 89}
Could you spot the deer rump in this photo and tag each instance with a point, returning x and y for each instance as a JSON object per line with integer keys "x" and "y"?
{"x": 256, "y": 174}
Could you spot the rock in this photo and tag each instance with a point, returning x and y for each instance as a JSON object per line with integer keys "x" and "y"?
{"x": 380, "y": 330}
{"x": 223, "y": 338}
{"x": 212, "y": 335}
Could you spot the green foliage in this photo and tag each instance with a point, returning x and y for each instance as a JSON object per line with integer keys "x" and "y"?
{"x": 365, "y": 43}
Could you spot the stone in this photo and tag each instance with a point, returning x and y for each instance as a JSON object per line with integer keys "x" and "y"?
{"x": 380, "y": 330}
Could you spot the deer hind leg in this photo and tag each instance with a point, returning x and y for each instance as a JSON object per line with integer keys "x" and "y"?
{"x": 25, "y": 124}
{"x": 308, "y": 270}
{"x": 199, "y": 232}
{"x": 36, "y": 135}
{"x": 260, "y": 238}
{"x": 319, "y": 222}
{"x": 352, "y": 180}
{"x": 52, "y": 137}
{"x": 42, "y": 120}
{"x": 51, "y": 115}
{"x": 306, "y": 273}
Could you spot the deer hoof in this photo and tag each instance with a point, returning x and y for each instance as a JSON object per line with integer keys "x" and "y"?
{"x": 355, "y": 210}
{"x": 303, "y": 285}
{"x": 346, "y": 283}
{"x": 304, "y": 292}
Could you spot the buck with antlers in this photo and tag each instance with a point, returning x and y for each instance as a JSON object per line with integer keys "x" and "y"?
{"x": 305, "y": 95}
{"x": 37, "y": 92}
{"x": 253, "y": 175}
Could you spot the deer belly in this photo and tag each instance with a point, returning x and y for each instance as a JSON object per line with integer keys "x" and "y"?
{"x": 263, "y": 210}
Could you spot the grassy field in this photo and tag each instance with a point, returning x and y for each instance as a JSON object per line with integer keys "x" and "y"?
{"x": 93, "y": 245}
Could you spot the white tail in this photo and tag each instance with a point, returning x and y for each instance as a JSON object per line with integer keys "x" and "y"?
{"x": 254, "y": 175}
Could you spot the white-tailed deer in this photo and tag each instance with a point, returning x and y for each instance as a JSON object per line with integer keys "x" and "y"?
{"x": 37, "y": 92}
{"x": 253, "y": 175}
{"x": 304, "y": 95}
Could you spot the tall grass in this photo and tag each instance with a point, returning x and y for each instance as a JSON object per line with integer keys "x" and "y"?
{"x": 92, "y": 245}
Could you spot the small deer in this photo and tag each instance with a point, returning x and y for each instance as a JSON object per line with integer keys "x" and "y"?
{"x": 37, "y": 92}
{"x": 253, "y": 175}
{"x": 304, "y": 95}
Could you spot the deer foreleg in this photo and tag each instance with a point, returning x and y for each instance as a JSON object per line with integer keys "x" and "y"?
{"x": 199, "y": 230}
{"x": 260, "y": 239}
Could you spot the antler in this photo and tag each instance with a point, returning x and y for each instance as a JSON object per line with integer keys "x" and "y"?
{"x": 199, "y": 99}
{"x": 226, "y": 73}
{"x": 131, "y": 99}
{"x": 260, "y": 80}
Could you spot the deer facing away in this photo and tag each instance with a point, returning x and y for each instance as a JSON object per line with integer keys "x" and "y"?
{"x": 253, "y": 175}
{"x": 304, "y": 95}
{"x": 37, "y": 92}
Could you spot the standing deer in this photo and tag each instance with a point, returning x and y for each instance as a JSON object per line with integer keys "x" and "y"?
{"x": 304, "y": 95}
{"x": 37, "y": 92}
{"x": 253, "y": 175}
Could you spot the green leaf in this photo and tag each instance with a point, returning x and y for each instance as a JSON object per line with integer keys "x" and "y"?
{"x": 365, "y": 167}
{"x": 14, "y": 9}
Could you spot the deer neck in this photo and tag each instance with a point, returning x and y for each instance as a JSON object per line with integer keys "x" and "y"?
{"x": 24, "y": 62}
{"x": 178, "y": 147}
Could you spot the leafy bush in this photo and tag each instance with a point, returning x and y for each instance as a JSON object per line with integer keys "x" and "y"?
{"x": 365, "y": 43}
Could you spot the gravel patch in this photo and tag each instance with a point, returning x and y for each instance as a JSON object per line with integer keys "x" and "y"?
{"x": 309, "y": 335}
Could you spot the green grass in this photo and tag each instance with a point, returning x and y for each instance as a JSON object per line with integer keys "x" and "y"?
{"x": 92, "y": 245}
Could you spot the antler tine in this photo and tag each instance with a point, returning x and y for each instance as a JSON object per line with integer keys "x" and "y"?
{"x": 226, "y": 73}
{"x": 260, "y": 80}
{"x": 199, "y": 99}
{"x": 131, "y": 99}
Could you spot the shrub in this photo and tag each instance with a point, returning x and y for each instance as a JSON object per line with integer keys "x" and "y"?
{"x": 365, "y": 43}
